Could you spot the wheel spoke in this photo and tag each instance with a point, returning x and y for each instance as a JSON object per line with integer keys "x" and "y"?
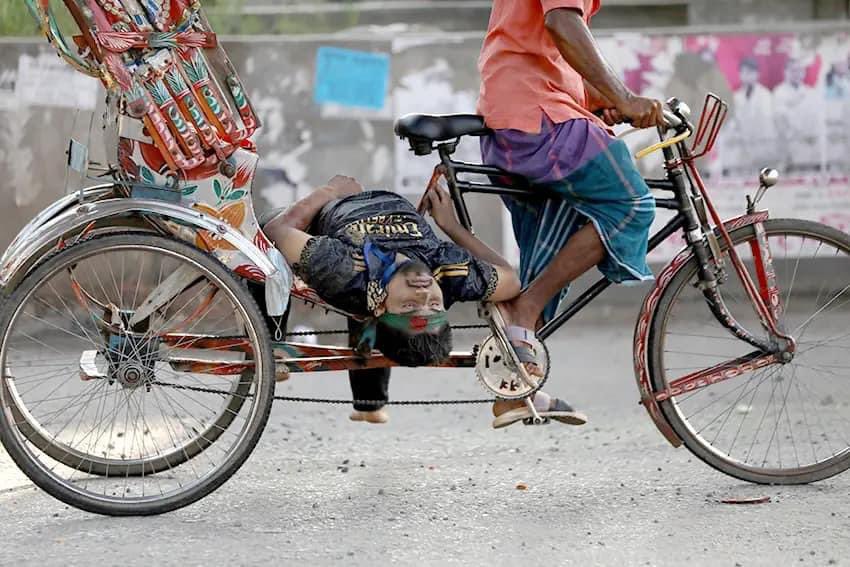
{"x": 123, "y": 437}
{"x": 783, "y": 423}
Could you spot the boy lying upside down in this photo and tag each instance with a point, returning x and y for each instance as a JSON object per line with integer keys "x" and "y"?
{"x": 372, "y": 254}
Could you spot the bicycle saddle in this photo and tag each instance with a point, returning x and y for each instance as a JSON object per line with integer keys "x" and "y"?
{"x": 422, "y": 130}
{"x": 440, "y": 127}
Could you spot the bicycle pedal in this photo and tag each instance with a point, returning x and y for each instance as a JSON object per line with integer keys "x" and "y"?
{"x": 536, "y": 421}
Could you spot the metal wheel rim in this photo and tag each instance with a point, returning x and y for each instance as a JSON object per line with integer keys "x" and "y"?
{"x": 71, "y": 486}
{"x": 674, "y": 404}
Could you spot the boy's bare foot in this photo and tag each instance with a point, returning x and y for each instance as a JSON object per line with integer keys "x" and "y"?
{"x": 377, "y": 416}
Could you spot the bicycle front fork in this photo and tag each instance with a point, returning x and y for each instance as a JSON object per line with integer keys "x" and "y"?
{"x": 765, "y": 297}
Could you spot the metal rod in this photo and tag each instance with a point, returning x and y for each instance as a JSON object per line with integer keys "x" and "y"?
{"x": 461, "y": 167}
{"x": 573, "y": 308}
{"x": 468, "y": 187}
{"x": 457, "y": 196}
{"x": 662, "y": 184}
{"x": 667, "y": 204}
{"x": 478, "y": 168}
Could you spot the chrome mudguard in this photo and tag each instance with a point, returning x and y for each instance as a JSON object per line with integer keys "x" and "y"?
{"x": 64, "y": 218}
{"x": 51, "y": 211}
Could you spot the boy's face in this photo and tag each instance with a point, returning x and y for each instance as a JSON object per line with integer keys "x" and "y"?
{"x": 414, "y": 291}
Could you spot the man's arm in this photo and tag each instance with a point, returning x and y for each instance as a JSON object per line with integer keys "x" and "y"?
{"x": 571, "y": 35}
{"x": 595, "y": 100}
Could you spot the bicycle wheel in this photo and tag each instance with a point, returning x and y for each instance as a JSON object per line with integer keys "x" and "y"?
{"x": 784, "y": 423}
{"x": 73, "y": 458}
{"x": 132, "y": 417}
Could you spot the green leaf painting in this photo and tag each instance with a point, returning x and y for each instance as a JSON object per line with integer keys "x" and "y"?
{"x": 147, "y": 175}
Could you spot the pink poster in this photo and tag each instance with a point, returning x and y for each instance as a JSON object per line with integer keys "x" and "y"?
{"x": 789, "y": 108}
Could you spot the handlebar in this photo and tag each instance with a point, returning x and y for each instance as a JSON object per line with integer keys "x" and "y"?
{"x": 671, "y": 119}
{"x": 676, "y": 117}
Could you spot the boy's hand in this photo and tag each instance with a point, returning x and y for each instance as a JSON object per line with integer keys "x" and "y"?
{"x": 343, "y": 186}
{"x": 439, "y": 204}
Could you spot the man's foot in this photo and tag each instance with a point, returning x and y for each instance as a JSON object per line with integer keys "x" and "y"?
{"x": 281, "y": 374}
{"x": 521, "y": 340}
{"x": 376, "y": 416}
{"x": 515, "y": 312}
{"x": 508, "y": 412}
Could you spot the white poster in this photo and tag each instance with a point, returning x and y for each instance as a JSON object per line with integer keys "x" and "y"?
{"x": 430, "y": 91}
{"x": 8, "y": 100}
{"x": 47, "y": 80}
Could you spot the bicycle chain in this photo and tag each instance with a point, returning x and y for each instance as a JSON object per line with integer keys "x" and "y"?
{"x": 345, "y": 332}
{"x": 345, "y": 402}
{"x": 335, "y": 401}
{"x": 328, "y": 400}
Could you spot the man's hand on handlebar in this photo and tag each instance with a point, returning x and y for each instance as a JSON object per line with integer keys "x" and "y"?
{"x": 640, "y": 112}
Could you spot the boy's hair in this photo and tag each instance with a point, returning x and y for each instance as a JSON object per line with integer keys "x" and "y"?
{"x": 413, "y": 350}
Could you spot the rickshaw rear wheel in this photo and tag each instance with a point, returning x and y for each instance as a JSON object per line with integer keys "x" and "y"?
{"x": 85, "y": 469}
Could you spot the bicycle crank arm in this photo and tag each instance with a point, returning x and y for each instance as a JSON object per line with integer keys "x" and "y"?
{"x": 498, "y": 327}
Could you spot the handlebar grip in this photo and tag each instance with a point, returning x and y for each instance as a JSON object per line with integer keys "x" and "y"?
{"x": 672, "y": 119}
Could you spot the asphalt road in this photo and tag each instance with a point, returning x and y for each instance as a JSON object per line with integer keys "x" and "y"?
{"x": 437, "y": 486}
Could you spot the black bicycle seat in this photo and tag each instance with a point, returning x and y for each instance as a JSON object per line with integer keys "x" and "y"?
{"x": 440, "y": 127}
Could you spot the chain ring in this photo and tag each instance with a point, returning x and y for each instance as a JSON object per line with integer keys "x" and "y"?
{"x": 494, "y": 373}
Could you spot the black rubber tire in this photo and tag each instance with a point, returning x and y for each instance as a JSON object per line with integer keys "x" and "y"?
{"x": 95, "y": 465}
{"x": 264, "y": 392}
{"x": 75, "y": 459}
{"x": 804, "y": 475}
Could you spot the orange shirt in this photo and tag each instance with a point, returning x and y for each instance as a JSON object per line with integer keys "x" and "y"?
{"x": 522, "y": 72}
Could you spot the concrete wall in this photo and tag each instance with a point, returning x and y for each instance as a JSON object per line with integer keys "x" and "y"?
{"x": 760, "y": 12}
{"x": 302, "y": 144}
{"x": 467, "y": 15}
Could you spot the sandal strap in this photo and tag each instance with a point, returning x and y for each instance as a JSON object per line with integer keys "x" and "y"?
{"x": 521, "y": 341}
{"x": 525, "y": 353}
{"x": 516, "y": 333}
{"x": 557, "y": 404}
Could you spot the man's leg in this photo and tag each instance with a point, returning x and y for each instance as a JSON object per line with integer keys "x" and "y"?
{"x": 597, "y": 179}
{"x": 581, "y": 252}
{"x": 610, "y": 193}
{"x": 606, "y": 190}
{"x": 370, "y": 384}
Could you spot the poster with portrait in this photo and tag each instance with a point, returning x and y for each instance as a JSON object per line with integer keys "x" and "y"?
{"x": 789, "y": 108}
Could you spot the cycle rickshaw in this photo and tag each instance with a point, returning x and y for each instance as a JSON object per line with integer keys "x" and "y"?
{"x": 139, "y": 372}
